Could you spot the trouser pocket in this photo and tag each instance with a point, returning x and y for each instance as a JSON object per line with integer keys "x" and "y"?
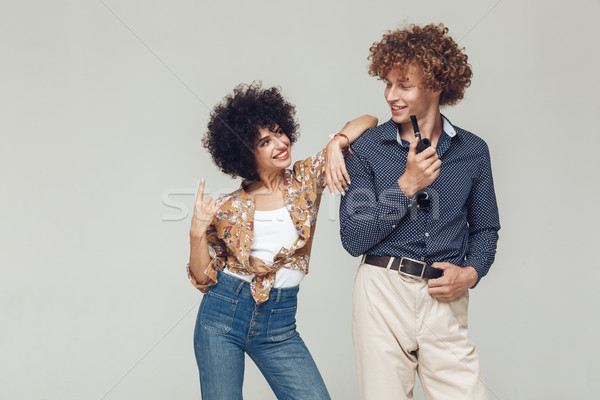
{"x": 217, "y": 312}
{"x": 282, "y": 323}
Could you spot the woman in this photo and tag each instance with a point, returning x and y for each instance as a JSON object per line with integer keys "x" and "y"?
{"x": 250, "y": 249}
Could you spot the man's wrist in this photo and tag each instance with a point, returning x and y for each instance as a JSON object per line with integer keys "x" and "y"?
{"x": 405, "y": 187}
{"x": 472, "y": 276}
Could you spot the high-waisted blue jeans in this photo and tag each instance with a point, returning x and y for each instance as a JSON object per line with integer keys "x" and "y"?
{"x": 230, "y": 324}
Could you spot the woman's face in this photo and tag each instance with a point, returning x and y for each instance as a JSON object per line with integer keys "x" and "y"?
{"x": 273, "y": 150}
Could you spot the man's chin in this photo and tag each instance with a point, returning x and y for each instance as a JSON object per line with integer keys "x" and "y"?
{"x": 400, "y": 119}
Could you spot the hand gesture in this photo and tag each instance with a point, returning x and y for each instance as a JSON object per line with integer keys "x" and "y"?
{"x": 421, "y": 169}
{"x": 336, "y": 175}
{"x": 455, "y": 281}
{"x": 204, "y": 212}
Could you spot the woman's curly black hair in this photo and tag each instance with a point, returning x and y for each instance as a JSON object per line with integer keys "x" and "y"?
{"x": 233, "y": 127}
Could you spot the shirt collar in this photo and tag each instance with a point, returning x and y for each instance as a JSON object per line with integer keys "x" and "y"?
{"x": 448, "y": 128}
{"x": 392, "y": 130}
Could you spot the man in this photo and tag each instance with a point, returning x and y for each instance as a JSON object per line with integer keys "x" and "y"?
{"x": 426, "y": 223}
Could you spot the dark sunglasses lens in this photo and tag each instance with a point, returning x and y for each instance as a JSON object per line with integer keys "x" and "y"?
{"x": 423, "y": 201}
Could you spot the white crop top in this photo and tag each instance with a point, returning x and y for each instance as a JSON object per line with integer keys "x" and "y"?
{"x": 273, "y": 230}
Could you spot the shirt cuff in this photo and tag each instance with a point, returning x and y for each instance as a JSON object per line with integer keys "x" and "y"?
{"x": 394, "y": 206}
{"x": 210, "y": 271}
{"x": 480, "y": 267}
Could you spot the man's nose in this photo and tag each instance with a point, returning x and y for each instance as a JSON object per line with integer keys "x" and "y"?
{"x": 392, "y": 94}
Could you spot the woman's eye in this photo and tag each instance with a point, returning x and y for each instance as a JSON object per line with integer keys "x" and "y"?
{"x": 264, "y": 143}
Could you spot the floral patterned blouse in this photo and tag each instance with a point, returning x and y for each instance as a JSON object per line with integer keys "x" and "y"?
{"x": 231, "y": 233}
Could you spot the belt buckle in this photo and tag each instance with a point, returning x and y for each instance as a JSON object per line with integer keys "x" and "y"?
{"x": 423, "y": 265}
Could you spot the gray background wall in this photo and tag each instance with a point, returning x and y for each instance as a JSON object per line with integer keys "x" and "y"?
{"x": 102, "y": 108}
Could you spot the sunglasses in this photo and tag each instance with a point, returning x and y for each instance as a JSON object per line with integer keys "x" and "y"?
{"x": 423, "y": 201}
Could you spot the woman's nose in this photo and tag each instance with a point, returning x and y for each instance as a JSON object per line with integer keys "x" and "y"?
{"x": 279, "y": 141}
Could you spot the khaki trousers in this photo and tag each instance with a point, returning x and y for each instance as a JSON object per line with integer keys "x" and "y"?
{"x": 398, "y": 330}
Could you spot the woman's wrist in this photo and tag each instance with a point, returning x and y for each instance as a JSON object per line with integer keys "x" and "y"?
{"x": 343, "y": 140}
{"x": 197, "y": 237}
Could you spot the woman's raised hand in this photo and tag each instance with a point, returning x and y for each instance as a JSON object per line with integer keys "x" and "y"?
{"x": 336, "y": 176}
{"x": 204, "y": 212}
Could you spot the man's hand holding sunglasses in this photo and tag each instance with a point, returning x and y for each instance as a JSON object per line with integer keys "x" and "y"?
{"x": 421, "y": 169}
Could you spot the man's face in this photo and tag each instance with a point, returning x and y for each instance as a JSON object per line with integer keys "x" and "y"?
{"x": 405, "y": 96}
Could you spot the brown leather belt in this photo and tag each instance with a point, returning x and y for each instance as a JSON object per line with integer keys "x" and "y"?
{"x": 405, "y": 265}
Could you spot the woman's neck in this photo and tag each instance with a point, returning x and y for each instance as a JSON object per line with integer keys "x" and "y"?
{"x": 266, "y": 192}
{"x": 268, "y": 183}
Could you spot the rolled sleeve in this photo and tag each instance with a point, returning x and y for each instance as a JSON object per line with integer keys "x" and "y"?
{"x": 312, "y": 170}
{"x": 217, "y": 255}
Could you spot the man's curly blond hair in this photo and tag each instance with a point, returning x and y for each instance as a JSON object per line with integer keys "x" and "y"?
{"x": 443, "y": 65}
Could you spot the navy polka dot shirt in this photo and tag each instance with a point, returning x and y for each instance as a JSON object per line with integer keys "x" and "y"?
{"x": 461, "y": 226}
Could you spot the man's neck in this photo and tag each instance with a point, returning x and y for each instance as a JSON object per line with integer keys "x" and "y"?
{"x": 431, "y": 127}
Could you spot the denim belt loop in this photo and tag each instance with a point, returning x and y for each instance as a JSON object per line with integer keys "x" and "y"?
{"x": 239, "y": 288}
{"x": 278, "y": 296}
